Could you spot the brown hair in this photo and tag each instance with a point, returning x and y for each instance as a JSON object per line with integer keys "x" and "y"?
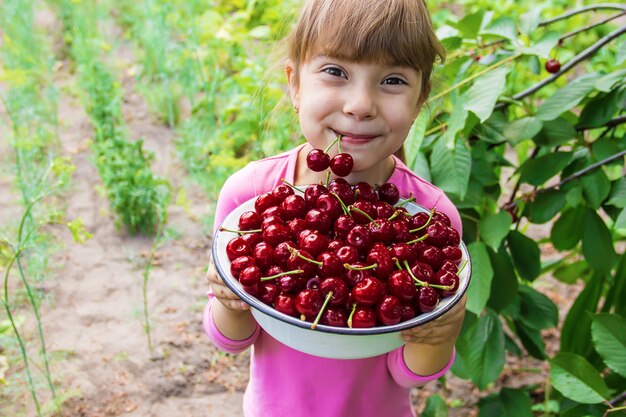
{"x": 398, "y": 32}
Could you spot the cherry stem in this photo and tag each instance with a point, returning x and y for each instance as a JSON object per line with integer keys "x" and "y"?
{"x": 360, "y": 268}
{"x": 301, "y": 256}
{"x": 430, "y": 216}
{"x": 398, "y": 213}
{"x": 332, "y": 144}
{"x": 291, "y": 185}
{"x": 319, "y": 314}
{"x": 419, "y": 239}
{"x": 339, "y": 143}
{"x": 403, "y": 203}
{"x": 361, "y": 212}
{"x": 241, "y": 232}
{"x": 327, "y": 177}
{"x": 294, "y": 272}
{"x": 462, "y": 266}
{"x": 397, "y": 261}
{"x": 351, "y": 314}
{"x": 345, "y": 208}
{"x": 416, "y": 279}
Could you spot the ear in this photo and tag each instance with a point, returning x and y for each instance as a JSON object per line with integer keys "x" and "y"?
{"x": 292, "y": 81}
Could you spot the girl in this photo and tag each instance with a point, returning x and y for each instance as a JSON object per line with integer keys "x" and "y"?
{"x": 360, "y": 69}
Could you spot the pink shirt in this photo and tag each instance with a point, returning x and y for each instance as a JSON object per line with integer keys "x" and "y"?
{"x": 286, "y": 382}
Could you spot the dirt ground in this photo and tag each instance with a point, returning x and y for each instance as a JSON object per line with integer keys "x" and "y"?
{"x": 92, "y": 313}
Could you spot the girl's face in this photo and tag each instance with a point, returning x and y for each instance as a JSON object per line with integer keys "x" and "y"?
{"x": 372, "y": 105}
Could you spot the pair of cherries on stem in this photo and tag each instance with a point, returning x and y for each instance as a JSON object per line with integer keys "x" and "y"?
{"x": 341, "y": 164}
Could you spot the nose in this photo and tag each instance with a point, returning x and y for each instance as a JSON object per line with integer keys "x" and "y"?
{"x": 360, "y": 103}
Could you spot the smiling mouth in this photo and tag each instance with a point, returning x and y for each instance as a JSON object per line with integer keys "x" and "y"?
{"x": 354, "y": 136}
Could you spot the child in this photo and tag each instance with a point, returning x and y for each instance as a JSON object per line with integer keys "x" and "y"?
{"x": 357, "y": 68}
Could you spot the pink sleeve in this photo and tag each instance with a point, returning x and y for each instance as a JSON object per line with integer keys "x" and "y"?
{"x": 221, "y": 341}
{"x": 404, "y": 376}
{"x": 238, "y": 188}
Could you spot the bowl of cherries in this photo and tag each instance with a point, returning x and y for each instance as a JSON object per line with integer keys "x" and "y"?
{"x": 338, "y": 270}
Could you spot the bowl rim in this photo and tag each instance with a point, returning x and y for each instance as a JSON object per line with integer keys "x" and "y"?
{"x": 257, "y": 304}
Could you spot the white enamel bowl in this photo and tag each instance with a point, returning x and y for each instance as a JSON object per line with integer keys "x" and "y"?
{"x": 326, "y": 341}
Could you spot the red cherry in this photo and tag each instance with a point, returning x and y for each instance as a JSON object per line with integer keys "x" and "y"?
{"x": 427, "y": 299}
{"x": 363, "y": 211}
{"x": 383, "y": 210}
{"x": 437, "y": 234}
{"x": 294, "y": 206}
{"x": 253, "y": 239}
{"x": 318, "y": 220}
{"x": 308, "y": 303}
{"x": 314, "y": 243}
{"x": 263, "y": 255}
{"x": 382, "y": 260}
{"x": 354, "y": 276}
{"x": 282, "y": 252}
{"x": 274, "y": 211}
{"x": 368, "y": 291}
{"x": 419, "y": 221}
{"x": 341, "y": 164}
{"x": 404, "y": 252}
{"x": 433, "y": 256}
{"x": 331, "y": 265}
{"x": 454, "y": 239}
{"x": 317, "y": 160}
{"x": 364, "y": 191}
{"x": 268, "y": 292}
{"x": 343, "y": 225}
{"x": 237, "y": 247}
{"x": 389, "y": 310}
{"x": 401, "y": 285}
{"x": 274, "y": 234}
{"x": 300, "y": 262}
{"x": 389, "y": 193}
{"x": 312, "y": 193}
{"x": 449, "y": 265}
{"x": 422, "y": 271}
{"x": 382, "y": 231}
{"x": 250, "y": 276}
{"x": 265, "y": 201}
{"x": 439, "y": 216}
{"x": 407, "y": 312}
{"x": 447, "y": 279}
{"x": 400, "y": 230}
{"x": 452, "y": 253}
{"x": 343, "y": 191}
{"x": 335, "y": 316}
{"x": 285, "y": 303}
{"x": 329, "y": 204}
{"x": 281, "y": 191}
{"x": 241, "y": 263}
{"x": 363, "y": 317}
{"x": 296, "y": 226}
{"x": 360, "y": 237}
{"x": 249, "y": 220}
{"x": 553, "y": 66}
{"x": 338, "y": 287}
{"x": 347, "y": 254}
{"x": 291, "y": 283}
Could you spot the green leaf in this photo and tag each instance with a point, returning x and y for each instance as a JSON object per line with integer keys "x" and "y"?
{"x": 509, "y": 403}
{"x": 452, "y": 43}
{"x": 617, "y": 197}
{"x": 556, "y": 132}
{"x": 504, "y": 285}
{"x": 596, "y": 187}
{"x": 576, "y": 331}
{"x": 543, "y": 46}
{"x": 546, "y": 206}
{"x": 621, "y": 54}
{"x": 530, "y": 21}
{"x": 503, "y": 27}
{"x": 482, "y": 274}
{"x": 456, "y": 123}
{"x": 577, "y": 379}
{"x": 525, "y": 254}
{"x": 522, "y": 129}
{"x": 482, "y": 96}
{"x": 494, "y": 227}
{"x": 451, "y": 169}
{"x": 531, "y": 339}
{"x": 570, "y": 273}
{"x": 567, "y": 97}
{"x": 539, "y": 170}
{"x": 620, "y": 223}
{"x": 585, "y": 410}
{"x": 470, "y": 25}
{"x": 607, "y": 82}
{"x": 599, "y": 110}
{"x": 597, "y": 243}
{"x": 435, "y": 407}
{"x": 566, "y": 232}
{"x": 609, "y": 337}
{"x": 537, "y": 310}
{"x": 486, "y": 349}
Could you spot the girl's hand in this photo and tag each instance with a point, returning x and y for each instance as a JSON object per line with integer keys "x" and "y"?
{"x": 223, "y": 294}
{"x": 444, "y": 329}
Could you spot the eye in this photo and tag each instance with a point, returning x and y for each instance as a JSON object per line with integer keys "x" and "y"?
{"x": 394, "y": 81}
{"x": 335, "y": 72}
